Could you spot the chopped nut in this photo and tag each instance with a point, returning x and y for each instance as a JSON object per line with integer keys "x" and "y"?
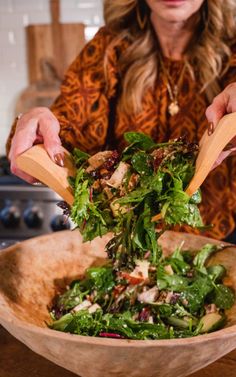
{"x": 97, "y": 160}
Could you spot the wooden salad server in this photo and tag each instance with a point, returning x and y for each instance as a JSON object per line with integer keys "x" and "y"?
{"x": 210, "y": 147}
{"x": 37, "y": 163}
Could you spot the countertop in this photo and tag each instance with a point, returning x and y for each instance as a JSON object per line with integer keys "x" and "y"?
{"x": 16, "y": 360}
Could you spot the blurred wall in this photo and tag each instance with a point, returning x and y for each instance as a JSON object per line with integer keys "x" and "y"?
{"x": 15, "y": 15}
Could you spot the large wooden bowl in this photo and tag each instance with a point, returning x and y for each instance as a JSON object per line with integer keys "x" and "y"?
{"x": 29, "y": 273}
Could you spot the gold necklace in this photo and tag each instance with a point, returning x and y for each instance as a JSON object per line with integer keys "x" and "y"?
{"x": 173, "y": 89}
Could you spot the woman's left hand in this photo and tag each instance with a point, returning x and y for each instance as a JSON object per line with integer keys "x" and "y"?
{"x": 222, "y": 104}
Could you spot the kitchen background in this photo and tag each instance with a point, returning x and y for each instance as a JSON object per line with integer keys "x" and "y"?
{"x": 15, "y": 17}
{"x": 38, "y": 40}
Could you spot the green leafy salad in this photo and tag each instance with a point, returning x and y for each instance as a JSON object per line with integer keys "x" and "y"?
{"x": 139, "y": 293}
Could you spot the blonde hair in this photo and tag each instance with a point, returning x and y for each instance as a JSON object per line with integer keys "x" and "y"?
{"x": 208, "y": 53}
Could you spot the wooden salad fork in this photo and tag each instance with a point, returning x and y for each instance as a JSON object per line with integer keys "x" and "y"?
{"x": 37, "y": 163}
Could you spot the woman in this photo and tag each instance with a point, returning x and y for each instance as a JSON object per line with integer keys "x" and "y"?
{"x": 154, "y": 67}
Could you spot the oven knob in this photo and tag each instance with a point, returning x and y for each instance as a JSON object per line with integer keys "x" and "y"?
{"x": 33, "y": 217}
{"x": 10, "y": 216}
{"x": 59, "y": 222}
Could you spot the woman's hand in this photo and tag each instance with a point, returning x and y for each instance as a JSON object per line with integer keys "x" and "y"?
{"x": 222, "y": 104}
{"x": 38, "y": 125}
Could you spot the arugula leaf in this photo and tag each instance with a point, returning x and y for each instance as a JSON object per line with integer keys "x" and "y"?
{"x": 84, "y": 323}
{"x": 216, "y": 272}
{"x": 179, "y": 266}
{"x": 80, "y": 156}
{"x": 79, "y": 211}
{"x": 196, "y": 198}
{"x": 194, "y": 295}
{"x": 223, "y": 296}
{"x": 80, "y": 208}
{"x": 135, "y": 330}
{"x": 93, "y": 228}
{"x": 135, "y": 196}
{"x": 62, "y": 323}
{"x": 72, "y": 297}
{"x": 86, "y": 213}
{"x": 101, "y": 279}
{"x": 202, "y": 256}
{"x": 165, "y": 310}
{"x": 142, "y": 163}
{"x": 178, "y": 210}
{"x": 140, "y": 140}
{"x": 173, "y": 282}
{"x": 177, "y": 262}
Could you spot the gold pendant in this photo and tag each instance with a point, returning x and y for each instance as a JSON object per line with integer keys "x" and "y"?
{"x": 173, "y": 108}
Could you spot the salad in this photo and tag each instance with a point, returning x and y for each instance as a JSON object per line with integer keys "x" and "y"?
{"x": 139, "y": 293}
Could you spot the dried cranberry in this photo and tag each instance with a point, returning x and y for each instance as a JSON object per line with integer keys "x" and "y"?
{"x": 174, "y": 298}
{"x": 144, "y": 315}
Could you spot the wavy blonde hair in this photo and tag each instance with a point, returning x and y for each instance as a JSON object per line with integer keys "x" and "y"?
{"x": 209, "y": 51}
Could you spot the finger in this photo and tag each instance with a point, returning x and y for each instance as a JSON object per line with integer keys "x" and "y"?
{"x": 23, "y": 139}
{"x": 218, "y": 108}
{"x": 220, "y": 159}
{"x": 223, "y": 155}
{"x": 231, "y": 107}
{"x": 233, "y": 142}
{"x": 49, "y": 129}
{"x": 38, "y": 140}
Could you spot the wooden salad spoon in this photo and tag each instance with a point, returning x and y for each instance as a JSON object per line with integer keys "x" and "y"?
{"x": 210, "y": 147}
{"x": 37, "y": 163}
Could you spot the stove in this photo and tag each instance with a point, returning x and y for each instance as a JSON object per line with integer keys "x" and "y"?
{"x": 7, "y": 243}
{"x": 25, "y": 210}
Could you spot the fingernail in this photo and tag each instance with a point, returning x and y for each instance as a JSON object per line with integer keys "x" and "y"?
{"x": 59, "y": 159}
{"x": 210, "y": 129}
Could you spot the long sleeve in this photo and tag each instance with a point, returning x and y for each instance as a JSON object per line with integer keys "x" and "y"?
{"x": 83, "y": 105}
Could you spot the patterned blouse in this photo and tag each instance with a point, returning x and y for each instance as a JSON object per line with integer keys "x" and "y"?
{"x": 86, "y": 110}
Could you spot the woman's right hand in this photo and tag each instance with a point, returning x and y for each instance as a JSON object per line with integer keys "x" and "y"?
{"x": 38, "y": 125}
{"x": 223, "y": 103}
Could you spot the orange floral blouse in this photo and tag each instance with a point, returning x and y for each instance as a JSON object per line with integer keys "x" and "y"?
{"x": 84, "y": 112}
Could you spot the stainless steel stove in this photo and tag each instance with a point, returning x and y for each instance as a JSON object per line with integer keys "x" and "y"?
{"x": 25, "y": 210}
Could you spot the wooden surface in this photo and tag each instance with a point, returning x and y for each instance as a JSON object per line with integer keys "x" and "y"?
{"x": 16, "y": 360}
{"x": 40, "y": 46}
{"x": 51, "y": 48}
{"x": 56, "y": 42}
